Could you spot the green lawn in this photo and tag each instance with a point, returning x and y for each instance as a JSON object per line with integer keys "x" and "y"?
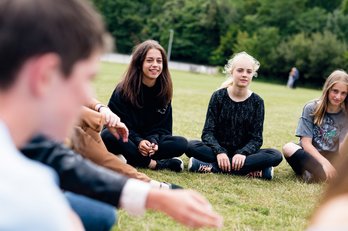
{"x": 246, "y": 204}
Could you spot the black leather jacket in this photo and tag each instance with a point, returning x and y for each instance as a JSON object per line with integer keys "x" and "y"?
{"x": 77, "y": 174}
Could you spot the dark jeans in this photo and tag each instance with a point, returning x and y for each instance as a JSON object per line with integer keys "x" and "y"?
{"x": 301, "y": 161}
{"x": 95, "y": 215}
{"x": 262, "y": 159}
{"x": 168, "y": 147}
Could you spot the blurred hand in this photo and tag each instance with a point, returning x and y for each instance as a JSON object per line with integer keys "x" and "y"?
{"x": 154, "y": 149}
{"x": 185, "y": 206}
{"x": 329, "y": 170}
{"x": 238, "y": 161}
{"x": 76, "y": 222}
{"x": 224, "y": 162}
{"x": 111, "y": 118}
{"x": 145, "y": 147}
{"x": 120, "y": 130}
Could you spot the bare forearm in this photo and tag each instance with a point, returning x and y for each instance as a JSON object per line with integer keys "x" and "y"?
{"x": 343, "y": 150}
{"x": 309, "y": 148}
{"x": 92, "y": 103}
{"x": 329, "y": 170}
{"x": 155, "y": 200}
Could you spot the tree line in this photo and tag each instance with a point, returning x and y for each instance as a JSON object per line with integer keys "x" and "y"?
{"x": 309, "y": 34}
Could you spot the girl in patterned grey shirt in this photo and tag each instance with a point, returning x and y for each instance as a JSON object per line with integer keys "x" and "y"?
{"x": 321, "y": 129}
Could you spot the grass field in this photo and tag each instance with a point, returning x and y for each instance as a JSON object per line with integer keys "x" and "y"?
{"x": 284, "y": 203}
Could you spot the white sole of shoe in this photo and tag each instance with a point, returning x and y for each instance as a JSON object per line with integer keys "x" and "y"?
{"x": 190, "y": 164}
{"x": 272, "y": 173}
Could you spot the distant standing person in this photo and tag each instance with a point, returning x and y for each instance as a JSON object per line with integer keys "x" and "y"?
{"x": 143, "y": 102}
{"x": 232, "y": 134}
{"x": 321, "y": 129}
{"x": 294, "y": 75}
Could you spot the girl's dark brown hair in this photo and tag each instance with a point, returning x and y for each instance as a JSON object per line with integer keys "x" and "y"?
{"x": 130, "y": 86}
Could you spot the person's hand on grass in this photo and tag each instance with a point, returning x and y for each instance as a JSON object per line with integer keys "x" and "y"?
{"x": 238, "y": 161}
{"x": 224, "y": 162}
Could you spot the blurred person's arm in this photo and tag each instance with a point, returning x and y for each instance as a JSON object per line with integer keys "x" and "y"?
{"x": 187, "y": 207}
{"x": 77, "y": 174}
{"x": 83, "y": 177}
{"x": 331, "y": 215}
{"x": 76, "y": 222}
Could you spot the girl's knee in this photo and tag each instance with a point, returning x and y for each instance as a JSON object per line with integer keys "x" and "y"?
{"x": 192, "y": 145}
{"x": 180, "y": 143}
{"x": 276, "y": 156}
{"x": 183, "y": 141}
{"x": 289, "y": 149}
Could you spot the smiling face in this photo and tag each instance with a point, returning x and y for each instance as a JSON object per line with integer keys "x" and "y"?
{"x": 152, "y": 65}
{"x": 337, "y": 94}
{"x": 242, "y": 73}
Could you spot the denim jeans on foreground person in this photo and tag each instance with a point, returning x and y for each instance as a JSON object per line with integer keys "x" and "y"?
{"x": 95, "y": 215}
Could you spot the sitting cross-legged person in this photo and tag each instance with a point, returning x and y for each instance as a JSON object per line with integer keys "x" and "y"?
{"x": 86, "y": 140}
{"x": 143, "y": 100}
{"x": 232, "y": 134}
{"x": 321, "y": 130}
{"x": 45, "y": 79}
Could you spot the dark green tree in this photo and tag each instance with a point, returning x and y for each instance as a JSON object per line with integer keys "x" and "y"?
{"x": 310, "y": 21}
{"x": 309, "y": 34}
{"x": 316, "y": 55}
{"x": 279, "y": 14}
{"x": 337, "y": 23}
{"x": 125, "y": 21}
{"x": 262, "y": 45}
{"x": 327, "y": 5}
{"x": 197, "y": 25}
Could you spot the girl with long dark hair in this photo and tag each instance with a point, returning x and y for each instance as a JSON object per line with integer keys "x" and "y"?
{"x": 143, "y": 102}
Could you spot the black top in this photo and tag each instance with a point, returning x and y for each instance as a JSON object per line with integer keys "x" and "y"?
{"x": 149, "y": 122}
{"x": 234, "y": 127}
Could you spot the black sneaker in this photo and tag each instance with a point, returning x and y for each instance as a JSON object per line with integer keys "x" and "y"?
{"x": 170, "y": 186}
{"x": 266, "y": 173}
{"x": 202, "y": 167}
{"x": 175, "y": 164}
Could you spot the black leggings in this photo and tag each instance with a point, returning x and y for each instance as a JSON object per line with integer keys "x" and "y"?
{"x": 168, "y": 147}
{"x": 262, "y": 159}
{"x": 301, "y": 161}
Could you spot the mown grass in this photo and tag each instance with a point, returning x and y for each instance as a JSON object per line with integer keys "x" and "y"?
{"x": 284, "y": 203}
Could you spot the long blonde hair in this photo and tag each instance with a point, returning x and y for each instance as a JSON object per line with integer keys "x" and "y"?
{"x": 231, "y": 65}
{"x": 335, "y": 77}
